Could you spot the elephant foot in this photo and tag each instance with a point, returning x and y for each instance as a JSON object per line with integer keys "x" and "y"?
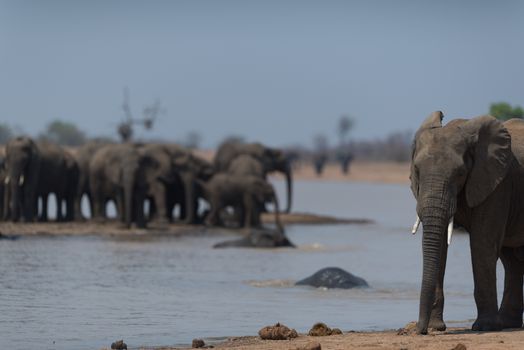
{"x": 511, "y": 321}
{"x": 437, "y": 324}
{"x": 487, "y": 324}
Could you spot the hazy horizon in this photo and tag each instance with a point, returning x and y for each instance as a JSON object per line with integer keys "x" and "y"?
{"x": 275, "y": 71}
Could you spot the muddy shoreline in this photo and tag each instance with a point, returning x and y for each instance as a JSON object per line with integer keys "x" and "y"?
{"x": 384, "y": 340}
{"x": 112, "y": 228}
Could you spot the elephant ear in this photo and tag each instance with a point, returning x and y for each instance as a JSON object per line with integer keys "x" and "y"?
{"x": 492, "y": 157}
{"x": 433, "y": 121}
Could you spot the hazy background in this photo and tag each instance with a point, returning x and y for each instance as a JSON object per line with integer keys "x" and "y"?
{"x": 276, "y": 71}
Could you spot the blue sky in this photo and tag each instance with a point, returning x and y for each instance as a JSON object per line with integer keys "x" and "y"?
{"x": 275, "y": 71}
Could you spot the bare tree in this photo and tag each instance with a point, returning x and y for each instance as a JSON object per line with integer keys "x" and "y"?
{"x": 150, "y": 113}
{"x": 345, "y": 125}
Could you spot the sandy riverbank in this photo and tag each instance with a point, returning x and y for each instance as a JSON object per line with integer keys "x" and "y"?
{"x": 112, "y": 228}
{"x": 363, "y": 171}
{"x": 385, "y": 340}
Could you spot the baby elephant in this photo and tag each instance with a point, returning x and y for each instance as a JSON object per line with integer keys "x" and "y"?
{"x": 245, "y": 192}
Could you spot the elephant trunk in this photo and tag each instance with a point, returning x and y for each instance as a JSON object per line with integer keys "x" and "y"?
{"x": 278, "y": 223}
{"x": 128, "y": 187}
{"x": 14, "y": 198}
{"x": 189, "y": 190}
{"x": 15, "y": 181}
{"x": 436, "y": 211}
{"x": 289, "y": 184}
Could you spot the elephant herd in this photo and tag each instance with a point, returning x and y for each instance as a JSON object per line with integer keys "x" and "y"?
{"x": 164, "y": 175}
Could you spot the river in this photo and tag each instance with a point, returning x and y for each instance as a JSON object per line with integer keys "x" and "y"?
{"x": 86, "y": 292}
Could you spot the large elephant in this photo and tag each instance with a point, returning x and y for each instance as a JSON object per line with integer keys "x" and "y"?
{"x": 83, "y": 156}
{"x": 470, "y": 172}
{"x": 272, "y": 159}
{"x": 116, "y": 172}
{"x": 3, "y": 175}
{"x": 36, "y": 170}
{"x": 224, "y": 190}
{"x": 190, "y": 171}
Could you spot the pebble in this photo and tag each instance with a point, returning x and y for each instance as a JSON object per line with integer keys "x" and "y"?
{"x": 310, "y": 346}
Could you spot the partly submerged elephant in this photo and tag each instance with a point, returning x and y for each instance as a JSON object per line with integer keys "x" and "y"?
{"x": 470, "y": 172}
{"x": 333, "y": 277}
{"x": 272, "y": 159}
{"x": 258, "y": 238}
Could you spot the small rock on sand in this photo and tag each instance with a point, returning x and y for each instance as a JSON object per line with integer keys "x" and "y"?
{"x": 198, "y": 343}
{"x": 277, "y": 332}
{"x": 119, "y": 345}
{"x": 459, "y": 346}
{"x": 310, "y": 346}
{"x": 321, "y": 330}
{"x": 408, "y": 329}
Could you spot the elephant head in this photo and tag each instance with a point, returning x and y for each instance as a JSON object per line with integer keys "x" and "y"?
{"x": 272, "y": 159}
{"x": 462, "y": 161}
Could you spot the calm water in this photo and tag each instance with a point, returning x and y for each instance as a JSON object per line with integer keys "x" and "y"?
{"x": 85, "y": 292}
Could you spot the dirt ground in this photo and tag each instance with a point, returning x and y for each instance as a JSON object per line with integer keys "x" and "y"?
{"x": 360, "y": 171}
{"x": 112, "y": 228}
{"x": 385, "y": 340}
{"x": 366, "y": 171}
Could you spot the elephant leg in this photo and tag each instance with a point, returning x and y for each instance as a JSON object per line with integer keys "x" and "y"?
{"x": 59, "y": 209}
{"x": 43, "y": 216}
{"x": 484, "y": 255}
{"x": 249, "y": 208}
{"x": 97, "y": 206}
{"x": 119, "y": 201}
{"x": 159, "y": 201}
{"x": 436, "y": 320}
{"x": 512, "y": 302}
{"x": 212, "y": 218}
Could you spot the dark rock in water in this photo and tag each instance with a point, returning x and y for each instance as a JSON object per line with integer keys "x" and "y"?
{"x": 198, "y": 343}
{"x": 277, "y": 332}
{"x": 119, "y": 345}
{"x": 333, "y": 277}
{"x": 258, "y": 238}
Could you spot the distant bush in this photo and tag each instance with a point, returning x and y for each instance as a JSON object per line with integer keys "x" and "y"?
{"x": 64, "y": 133}
{"x": 504, "y": 111}
{"x": 5, "y": 133}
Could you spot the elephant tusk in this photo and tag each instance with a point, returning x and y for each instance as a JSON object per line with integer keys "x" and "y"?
{"x": 450, "y": 230}
{"x": 415, "y": 226}
{"x": 21, "y": 181}
{"x": 6, "y": 180}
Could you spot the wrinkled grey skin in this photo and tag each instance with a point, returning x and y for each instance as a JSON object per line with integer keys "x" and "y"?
{"x": 116, "y": 173}
{"x": 258, "y": 238}
{"x": 191, "y": 170}
{"x": 471, "y": 170}
{"x": 83, "y": 155}
{"x": 248, "y": 191}
{"x": 272, "y": 159}
{"x": 333, "y": 277}
{"x": 35, "y": 170}
{"x": 3, "y": 175}
{"x": 22, "y": 160}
